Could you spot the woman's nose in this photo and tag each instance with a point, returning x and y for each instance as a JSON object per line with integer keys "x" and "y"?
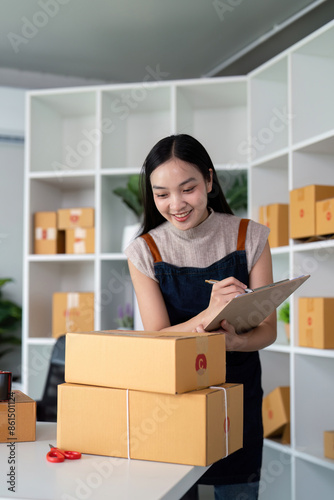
{"x": 177, "y": 202}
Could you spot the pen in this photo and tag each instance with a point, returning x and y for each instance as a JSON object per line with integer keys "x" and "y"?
{"x": 212, "y": 282}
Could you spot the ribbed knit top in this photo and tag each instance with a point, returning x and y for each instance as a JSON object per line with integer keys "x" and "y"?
{"x": 200, "y": 246}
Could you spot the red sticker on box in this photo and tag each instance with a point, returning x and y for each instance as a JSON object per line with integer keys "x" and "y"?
{"x": 301, "y": 213}
{"x": 309, "y": 321}
{"x": 270, "y": 414}
{"x": 328, "y": 215}
{"x": 201, "y": 364}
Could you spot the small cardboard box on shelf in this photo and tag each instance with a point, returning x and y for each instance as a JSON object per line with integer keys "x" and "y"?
{"x": 196, "y": 428}
{"x": 325, "y": 217}
{"x": 316, "y": 319}
{"x": 75, "y": 217}
{"x": 17, "y": 418}
{"x": 276, "y": 217}
{"x": 276, "y": 414}
{"x": 303, "y": 209}
{"x": 47, "y": 238}
{"x": 329, "y": 444}
{"x": 80, "y": 240}
{"x": 72, "y": 312}
{"x": 166, "y": 362}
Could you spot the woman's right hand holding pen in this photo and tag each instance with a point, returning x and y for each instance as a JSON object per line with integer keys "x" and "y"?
{"x": 222, "y": 292}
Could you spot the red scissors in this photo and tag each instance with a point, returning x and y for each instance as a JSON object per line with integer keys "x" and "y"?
{"x": 57, "y": 455}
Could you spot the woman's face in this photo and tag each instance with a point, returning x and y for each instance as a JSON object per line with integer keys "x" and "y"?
{"x": 180, "y": 193}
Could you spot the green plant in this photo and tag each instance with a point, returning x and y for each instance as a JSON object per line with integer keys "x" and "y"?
{"x": 10, "y": 318}
{"x": 236, "y": 195}
{"x": 131, "y": 194}
{"x": 125, "y": 317}
{"x": 283, "y": 313}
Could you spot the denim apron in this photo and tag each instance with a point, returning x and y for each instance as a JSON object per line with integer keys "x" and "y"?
{"x": 186, "y": 294}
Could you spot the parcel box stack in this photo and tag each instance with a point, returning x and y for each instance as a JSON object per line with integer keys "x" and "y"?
{"x": 72, "y": 312}
{"x": 311, "y": 211}
{"x": 149, "y": 396}
{"x": 69, "y": 230}
{"x": 276, "y": 414}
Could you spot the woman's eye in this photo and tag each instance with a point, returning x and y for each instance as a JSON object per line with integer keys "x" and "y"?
{"x": 189, "y": 190}
{"x": 161, "y": 195}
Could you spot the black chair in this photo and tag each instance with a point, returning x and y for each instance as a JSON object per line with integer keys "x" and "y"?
{"x": 46, "y": 409}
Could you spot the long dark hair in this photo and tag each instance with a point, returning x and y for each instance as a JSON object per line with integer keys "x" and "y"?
{"x": 186, "y": 148}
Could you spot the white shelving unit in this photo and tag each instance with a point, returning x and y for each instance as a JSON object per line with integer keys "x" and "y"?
{"x": 277, "y": 123}
{"x": 291, "y": 118}
{"x": 81, "y": 144}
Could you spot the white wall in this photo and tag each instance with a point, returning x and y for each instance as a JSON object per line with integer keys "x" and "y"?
{"x": 11, "y": 204}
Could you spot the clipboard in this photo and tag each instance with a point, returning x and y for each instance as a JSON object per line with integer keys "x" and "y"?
{"x": 248, "y": 310}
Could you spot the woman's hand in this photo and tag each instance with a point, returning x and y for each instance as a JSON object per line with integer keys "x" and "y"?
{"x": 233, "y": 341}
{"x": 223, "y": 291}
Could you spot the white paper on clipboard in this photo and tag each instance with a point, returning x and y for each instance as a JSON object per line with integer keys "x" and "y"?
{"x": 248, "y": 310}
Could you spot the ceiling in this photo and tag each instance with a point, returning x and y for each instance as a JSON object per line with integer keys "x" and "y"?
{"x": 94, "y": 41}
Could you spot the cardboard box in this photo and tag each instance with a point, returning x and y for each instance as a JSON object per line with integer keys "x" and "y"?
{"x": 329, "y": 444}
{"x": 75, "y": 217}
{"x": 276, "y": 217}
{"x": 190, "y": 428}
{"x": 303, "y": 209}
{"x": 276, "y": 414}
{"x": 165, "y": 362}
{"x": 80, "y": 240}
{"x": 325, "y": 217}
{"x": 72, "y": 312}
{"x": 316, "y": 319}
{"x": 17, "y": 418}
{"x": 47, "y": 238}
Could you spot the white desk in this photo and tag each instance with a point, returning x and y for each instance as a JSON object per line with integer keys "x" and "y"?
{"x": 92, "y": 477}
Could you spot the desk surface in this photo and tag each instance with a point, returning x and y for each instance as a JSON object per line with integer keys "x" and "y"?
{"x": 92, "y": 477}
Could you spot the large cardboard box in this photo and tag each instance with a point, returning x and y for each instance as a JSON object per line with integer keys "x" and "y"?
{"x": 47, "y": 238}
{"x": 276, "y": 414}
{"x": 316, "y": 320}
{"x": 72, "y": 312}
{"x": 325, "y": 217}
{"x": 165, "y": 362}
{"x": 303, "y": 209}
{"x": 80, "y": 240}
{"x": 75, "y": 217}
{"x": 17, "y": 418}
{"x": 276, "y": 217}
{"x": 196, "y": 428}
{"x": 329, "y": 444}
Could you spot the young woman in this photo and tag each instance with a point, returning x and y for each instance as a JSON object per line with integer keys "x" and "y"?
{"x": 190, "y": 235}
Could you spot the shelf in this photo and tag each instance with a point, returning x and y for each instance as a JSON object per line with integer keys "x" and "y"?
{"x": 133, "y": 119}
{"x": 61, "y": 136}
{"x": 270, "y": 118}
{"x": 61, "y": 258}
{"x": 216, "y": 114}
{"x": 312, "y": 75}
{"x": 317, "y": 459}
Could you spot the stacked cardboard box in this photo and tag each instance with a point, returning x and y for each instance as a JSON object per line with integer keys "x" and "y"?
{"x": 316, "y": 318}
{"x": 325, "y": 217}
{"x": 78, "y": 224}
{"x": 150, "y": 396}
{"x": 17, "y": 418}
{"x": 276, "y": 414}
{"x": 276, "y": 217}
{"x": 65, "y": 231}
{"x": 72, "y": 312}
{"x": 303, "y": 210}
{"x": 48, "y": 239}
{"x": 329, "y": 444}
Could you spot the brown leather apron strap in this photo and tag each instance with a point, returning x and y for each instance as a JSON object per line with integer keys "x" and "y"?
{"x": 242, "y": 234}
{"x": 153, "y": 247}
